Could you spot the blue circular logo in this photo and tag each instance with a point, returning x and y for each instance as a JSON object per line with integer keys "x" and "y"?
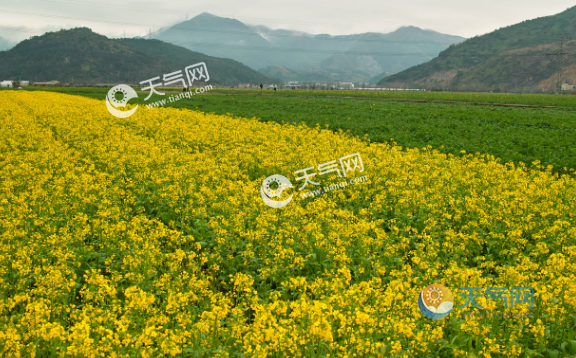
{"x": 435, "y": 301}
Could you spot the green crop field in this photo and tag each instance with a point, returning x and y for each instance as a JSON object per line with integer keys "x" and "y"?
{"x": 476, "y": 98}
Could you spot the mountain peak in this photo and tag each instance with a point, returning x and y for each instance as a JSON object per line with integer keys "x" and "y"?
{"x": 205, "y": 15}
{"x": 409, "y": 28}
{"x": 206, "y": 20}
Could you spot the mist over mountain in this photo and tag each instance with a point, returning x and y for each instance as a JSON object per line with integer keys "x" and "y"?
{"x": 308, "y": 57}
{"x": 5, "y": 44}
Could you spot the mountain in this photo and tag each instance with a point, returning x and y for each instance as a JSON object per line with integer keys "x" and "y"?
{"x": 221, "y": 37}
{"x": 357, "y": 57}
{"x": 362, "y": 55}
{"x": 301, "y": 49}
{"x": 518, "y": 57}
{"x": 224, "y": 71}
{"x": 5, "y": 44}
{"x": 374, "y": 53}
{"x": 81, "y": 56}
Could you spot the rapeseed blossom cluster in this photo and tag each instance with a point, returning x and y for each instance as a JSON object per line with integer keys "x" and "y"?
{"x": 147, "y": 236}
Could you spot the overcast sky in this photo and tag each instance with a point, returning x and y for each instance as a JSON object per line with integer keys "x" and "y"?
{"x": 20, "y": 19}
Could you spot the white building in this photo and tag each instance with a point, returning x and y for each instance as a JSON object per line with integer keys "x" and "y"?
{"x": 345, "y": 85}
{"x": 6, "y": 84}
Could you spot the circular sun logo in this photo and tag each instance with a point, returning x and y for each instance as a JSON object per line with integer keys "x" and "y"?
{"x": 435, "y": 301}
{"x": 273, "y": 187}
{"x": 119, "y": 102}
{"x": 113, "y": 103}
{"x": 434, "y": 295}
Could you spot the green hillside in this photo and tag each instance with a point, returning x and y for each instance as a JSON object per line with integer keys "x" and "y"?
{"x": 80, "y": 56}
{"x": 520, "y": 56}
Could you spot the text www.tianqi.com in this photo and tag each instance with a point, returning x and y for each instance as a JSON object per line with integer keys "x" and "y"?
{"x": 332, "y": 187}
{"x": 186, "y": 94}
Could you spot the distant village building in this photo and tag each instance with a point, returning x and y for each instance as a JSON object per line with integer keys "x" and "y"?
{"x": 345, "y": 85}
{"x": 14, "y": 83}
{"x": 244, "y": 85}
{"x": 567, "y": 87}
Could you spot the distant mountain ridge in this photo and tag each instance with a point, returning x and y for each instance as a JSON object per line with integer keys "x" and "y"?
{"x": 517, "y": 57}
{"x": 81, "y": 56}
{"x": 357, "y": 57}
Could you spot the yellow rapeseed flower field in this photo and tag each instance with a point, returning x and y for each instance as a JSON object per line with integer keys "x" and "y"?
{"x": 147, "y": 236}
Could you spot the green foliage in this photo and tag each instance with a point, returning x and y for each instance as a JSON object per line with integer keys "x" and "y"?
{"x": 527, "y": 99}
